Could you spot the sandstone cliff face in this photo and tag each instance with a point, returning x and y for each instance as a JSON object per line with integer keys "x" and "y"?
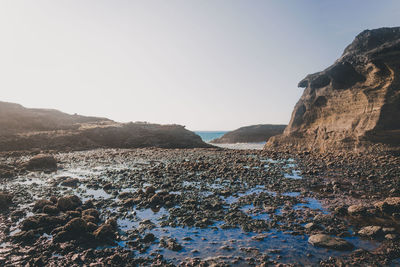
{"x": 355, "y": 102}
{"x": 250, "y": 134}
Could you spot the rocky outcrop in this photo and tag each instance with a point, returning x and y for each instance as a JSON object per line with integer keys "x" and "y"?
{"x": 15, "y": 118}
{"x": 37, "y": 129}
{"x": 355, "y": 102}
{"x": 250, "y": 134}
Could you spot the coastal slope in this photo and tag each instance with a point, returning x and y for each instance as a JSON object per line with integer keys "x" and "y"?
{"x": 353, "y": 104}
{"x": 36, "y": 129}
{"x": 250, "y": 134}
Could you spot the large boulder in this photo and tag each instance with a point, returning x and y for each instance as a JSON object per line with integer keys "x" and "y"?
{"x": 355, "y": 102}
{"x": 42, "y": 162}
{"x": 327, "y": 241}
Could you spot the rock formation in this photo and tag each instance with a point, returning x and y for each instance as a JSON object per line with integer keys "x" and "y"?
{"x": 250, "y": 134}
{"x": 355, "y": 102}
{"x": 41, "y": 129}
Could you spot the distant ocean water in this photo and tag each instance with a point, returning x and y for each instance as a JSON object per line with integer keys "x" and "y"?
{"x": 207, "y": 136}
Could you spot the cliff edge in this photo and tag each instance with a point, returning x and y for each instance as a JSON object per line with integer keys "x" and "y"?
{"x": 352, "y": 104}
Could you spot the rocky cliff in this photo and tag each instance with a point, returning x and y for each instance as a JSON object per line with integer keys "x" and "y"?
{"x": 355, "y": 102}
{"x": 42, "y": 129}
{"x": 250, "y": 134}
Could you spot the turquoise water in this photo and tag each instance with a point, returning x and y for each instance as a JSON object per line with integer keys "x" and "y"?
{"x": 207, "y": 136}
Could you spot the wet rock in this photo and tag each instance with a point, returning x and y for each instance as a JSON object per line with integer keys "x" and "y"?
{"x": 170, "y": 243}
{"x": 51, "y": 210}
{"x": 388, "y": 230}
{"x": 25, "y": 236}
{"x": 75, "y": 226}
{"x": 42, "y": 162}
{"x": 5, "y": 200}
{"x": 312, "y": 226}
{"x": 30, "y": 223}
{"x": 39, "y": 204}
{"x": 106, "y": 232}
{"x": 150, "y": 190}
{"x": 108, "y": 186}
{"x": 68, "y": 203}
{"x": 389, "y": 205}
{"x": 327, "y": 241}
{"x": 370, "y": 231}
{"x": 149, "y": 238}
{"x": 125, "y": 195}
{"x": 357, "y": 210}
{"x": 92, "y": 213}
{"x": 75, "y": 229}
{"x": 70, "y": 182}
{"x": 391, "y": 236}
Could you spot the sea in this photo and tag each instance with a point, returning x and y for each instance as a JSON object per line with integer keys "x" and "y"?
{"x": 207, "y": 136}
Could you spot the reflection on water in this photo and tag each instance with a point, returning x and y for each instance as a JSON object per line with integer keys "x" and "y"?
{"x": 202, "y": 242}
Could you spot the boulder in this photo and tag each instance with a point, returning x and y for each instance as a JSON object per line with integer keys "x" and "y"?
{"x": 327, "y": 241}
{"x": 76, "y": 226}
{"x": 106, "y": 232}
{"x": 51, "y": 210}
{"x": 70, "y": 182}
{"x": 68, "y": 203}
{"x": 92, "y": 212}
{"x": 41, "y": 203}
{"x": 42, "y": 162}
{"x": 75, "y": 229}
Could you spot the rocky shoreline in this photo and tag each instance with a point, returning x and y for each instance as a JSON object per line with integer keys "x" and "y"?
{"x": 195, "y": 207}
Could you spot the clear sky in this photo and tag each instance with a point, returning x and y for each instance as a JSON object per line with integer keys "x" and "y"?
{"x": 206, "y": 64}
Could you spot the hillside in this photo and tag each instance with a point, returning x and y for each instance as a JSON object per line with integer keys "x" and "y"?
{"x": 250, "y": 134}
{"x": 42, "y": 129}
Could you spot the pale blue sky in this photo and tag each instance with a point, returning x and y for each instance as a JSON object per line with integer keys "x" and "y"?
{"x": 206, "y": 64}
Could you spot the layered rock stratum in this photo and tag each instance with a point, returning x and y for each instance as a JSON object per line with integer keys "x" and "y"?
{"x": 353, "y": 104}
{"x": 45, "y": 129}
{"x": 250, "y": 134}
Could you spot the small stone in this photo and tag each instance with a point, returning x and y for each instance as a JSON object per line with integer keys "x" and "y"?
{"x": 370, "y": 231}
{"x": 70, "y": 182}
{"x": 356, "y": 210}
{"x": 391, "y": 236}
